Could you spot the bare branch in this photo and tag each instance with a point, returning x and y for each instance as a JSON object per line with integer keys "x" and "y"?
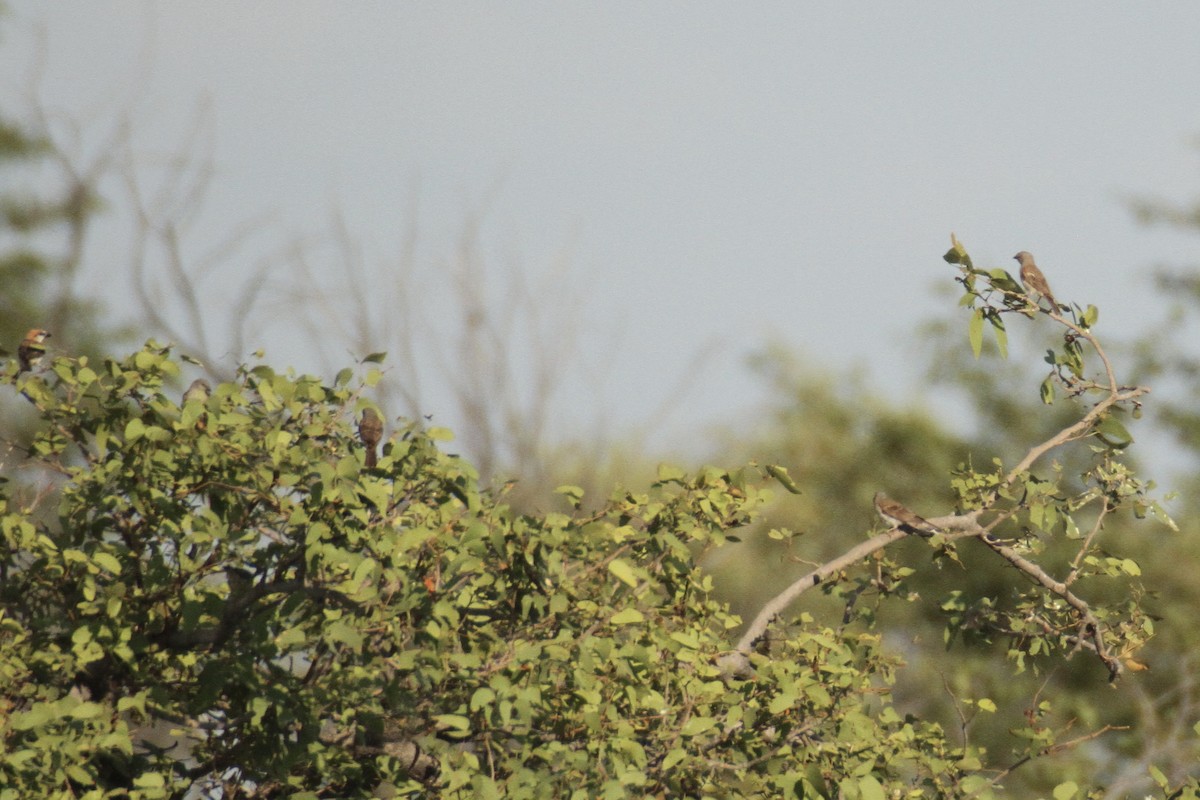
{"x": 781, "y": 601}
{"x": 1046, "y": 751}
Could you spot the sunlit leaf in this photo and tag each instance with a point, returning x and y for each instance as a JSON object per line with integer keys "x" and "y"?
{"x": 623, "y": 572}
{"x": 975, "y": 332}
{"x": 781, "y": 474}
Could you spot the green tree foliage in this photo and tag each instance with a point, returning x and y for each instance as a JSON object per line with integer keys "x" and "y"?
{"x": 1157, "y": 713}
{"x": 225, "y": 596}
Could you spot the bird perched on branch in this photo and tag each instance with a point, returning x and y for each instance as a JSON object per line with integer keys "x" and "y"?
{"x": 198, "y": 392}
{"x": 31, "y": 349}
{"x": 900, "y": 517}
{"x": 1033, "y": 278}
{"x": 370, "y": 430}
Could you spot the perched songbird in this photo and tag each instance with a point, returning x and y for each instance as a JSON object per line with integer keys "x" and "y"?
{"x": 31, "y": 349}
{"x": 198, "y": 392}
{"x": 898, "y": 516}
{"x": 370, "y": 430}
{"x": 1033, "y": 278}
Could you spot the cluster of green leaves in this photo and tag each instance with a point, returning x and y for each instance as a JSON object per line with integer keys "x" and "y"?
{"x": 225, "y": 596}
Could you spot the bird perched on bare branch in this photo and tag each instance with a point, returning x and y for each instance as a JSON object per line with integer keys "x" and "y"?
{"x": 31, "y": 349}
{"x": 198, "y": 392}
{"x": 898, "y": 516}
{"x": 370, "y": 430}
{"x": 1033, "y": 278}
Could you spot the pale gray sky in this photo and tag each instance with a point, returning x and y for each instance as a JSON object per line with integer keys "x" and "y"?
{"x": 716, "y": 172}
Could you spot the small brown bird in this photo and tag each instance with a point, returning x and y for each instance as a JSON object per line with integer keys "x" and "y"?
{"x": 198, "y": 392}
{"x": 31, "y": 349}
{"x": 1033, "y": 278}
{"x": 898, "y": 516}
{"x": 370, "y": 430}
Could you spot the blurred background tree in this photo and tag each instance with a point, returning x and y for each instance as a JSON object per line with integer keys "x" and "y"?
{"x": 46, "y": 205}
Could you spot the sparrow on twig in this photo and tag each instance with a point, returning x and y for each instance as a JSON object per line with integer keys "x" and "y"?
{"x": 31, "y": 349}
{"x": 1033, "y": 278}
{"x": 370, "y": 430}
{"x": 198, "y": 392}
{"x": 900, "y": 517}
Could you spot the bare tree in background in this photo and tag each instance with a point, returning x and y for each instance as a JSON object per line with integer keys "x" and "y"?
{"x": 481, "y": 345}
{"x": 502, "y": 340}
{"x": 176, "y": 288}
{"x": 505, "y": 341}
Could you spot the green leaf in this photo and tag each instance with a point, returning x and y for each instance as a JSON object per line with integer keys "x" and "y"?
{"x": 453, "y": 722}
{"x": 149, "y": 780}
{"x": 1065, "y": 791}
{"x": 290, "y": 638}
{"x": 135, "y": 703}
{"x": 697, "y": 725}
{"x": 1001, "y": 334}
{"x": 781, "y": 474}
{"x": 781, "y": 702}
{"x": 157, "y": 433}
{"x": 673, "y": 758}
{"x": 669, "y": 472}
{"x": 627, "y": 616}
{"x": 870, "y": 789}
{"x": 79, "y": 775}
{"x": 687, "y": 639}
{"x": 87, "y": 711}
{"x": 482, "y": 698}
{"x": 1047, "y": 391}
{"x": 375, "y": 358}
{"x": 957, "y": 254}
{"x": 1161, "y": 515}
{"x": 573, "y": 493}
{"x": 975, "y": 332}
{"x": 145, "y": 360}
{"x": 623, "y": 572}
{"x": 986, "y": 705}
{"x": 1113, "y": 433}
{"x": 108, "y": 562}
{"x": 134, "y": 430}
{"x": 340, "y": 631}
{"x": 39, "y": 715}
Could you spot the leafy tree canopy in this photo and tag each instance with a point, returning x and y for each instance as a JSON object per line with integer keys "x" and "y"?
{"x": 219, "y": 595}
